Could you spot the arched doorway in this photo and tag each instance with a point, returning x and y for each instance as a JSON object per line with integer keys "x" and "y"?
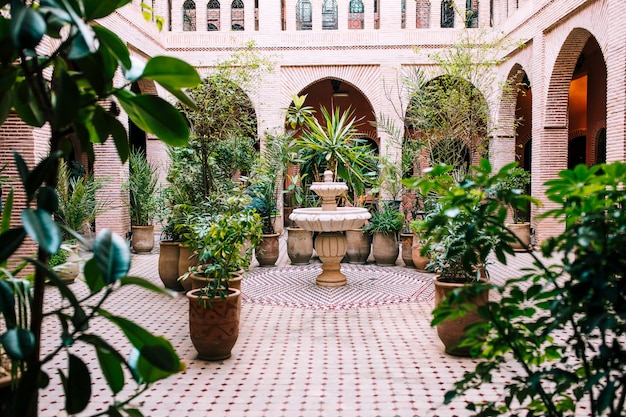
{"x": 587, "y": 105}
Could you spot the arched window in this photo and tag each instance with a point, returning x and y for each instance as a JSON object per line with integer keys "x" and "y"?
{"x": 376, "y": 15}
{"x": 356, "y": 16}
{"x": 304, "y": 15}
{"x": 447, "y": 14}
{"x": 256, "y": 14}
{"x": 329, "y": 15}
{"x": 403, "y": 14}
{"x": 236, "y": 15}
{"x": 213, "y": 15}
{"x": 422, "y": 14}
{"x": 471, "y": 13}
{"x": 189, "y": 16}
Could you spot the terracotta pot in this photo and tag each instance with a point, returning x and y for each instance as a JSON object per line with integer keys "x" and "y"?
{"x": 168, "y": 264}
{"x": 358, "y": 246}
{"x": 522, "y": 231}
{"x": 267, "y": 251}
{"x": 407, "y": 248}
{"x": 419, "y": 261}
{"x": 143, "y": 238}
{"x": 452, "y": 330}
{"x": 385, "y": 249}
{"x": 214, "y": 329}
{"x": 299, "y": 245}
{"x": 185, "y": 260}
{"x": 199, "y": 281}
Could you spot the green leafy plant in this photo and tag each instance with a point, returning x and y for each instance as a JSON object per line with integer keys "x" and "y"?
{"x": 142, "y": 186}
{"x": 386, "y": 219}
{"x": 517, "y": 180}
{"x": 68, "y": 85}
{"x": 334, "y": 145}
{"x": 561, "y": 323}
{"x": 221, "y": 242}
{"x": 78, "y": 206}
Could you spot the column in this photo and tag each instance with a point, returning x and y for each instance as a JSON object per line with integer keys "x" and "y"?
{"x": 248, "y": 20}
{"x": 316, "y": 14}
{"x": 368, "y": 14}
{"x": 269, "y": 15}
{"x": 343, "y": 7}
{"x": 201, "y": 15}
{"x": 225, "y": 18}
{"x": 615, "y": 95}
{"x": 484, "y": 14}
{"x": 411, "y": 6}
{"x": 177, "y": 15}
{"x": 390, "y": 14}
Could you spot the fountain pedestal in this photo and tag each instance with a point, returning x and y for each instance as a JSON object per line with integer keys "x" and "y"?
{"x": 331, "y": 248}
{"x": 330, "y": 221}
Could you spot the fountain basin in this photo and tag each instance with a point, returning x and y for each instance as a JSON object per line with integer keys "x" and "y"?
{"x": 318, "y": 220}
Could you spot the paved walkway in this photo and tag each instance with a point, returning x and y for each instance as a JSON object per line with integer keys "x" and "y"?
{"x": 381, "y": 360}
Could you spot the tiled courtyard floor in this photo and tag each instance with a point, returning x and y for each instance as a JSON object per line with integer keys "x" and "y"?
{"x": 381, "y": 360}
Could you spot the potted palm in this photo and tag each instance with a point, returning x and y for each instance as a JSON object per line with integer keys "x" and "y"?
{"x": 385, "y": 224}
{"x": 214, "y": 303}
{"x": 142, "y": 190}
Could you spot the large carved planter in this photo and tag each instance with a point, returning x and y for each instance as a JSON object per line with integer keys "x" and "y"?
{"x": 299, "y": 245}
{"x": 142, "y": 239}
{"x": 451, "y": 331}
{"x": 69, "y": 271}
{"x": 358, "y": 247}
{"x": 522, "y": 231}
{"x": 267, "y": 251}
{"x": 168, "y": 264}
{"x": 407, "y": 249}
{"x": 214, "y": 329}
{"x": 385, "y": 249}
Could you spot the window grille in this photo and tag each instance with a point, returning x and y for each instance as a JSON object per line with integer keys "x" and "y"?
{"x": 237, "y": 15}
{"x": 356, "y": 17}
{"x": 447, "y": 14}
{"x": 213, "y": 15}
{"x": 329, "y": 15}
{"x": 304, "y": 15}
{"x": 189, "y": 16}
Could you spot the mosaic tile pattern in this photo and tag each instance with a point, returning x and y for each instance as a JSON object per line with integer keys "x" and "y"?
{"x": 380, "y": 361}
{"x": 368, "y": 286}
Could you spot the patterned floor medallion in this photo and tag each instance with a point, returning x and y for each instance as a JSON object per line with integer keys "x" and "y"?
{"x": 368, "y": 286}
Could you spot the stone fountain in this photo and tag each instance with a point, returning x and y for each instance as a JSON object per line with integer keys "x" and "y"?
{"x": 330, "y": 221}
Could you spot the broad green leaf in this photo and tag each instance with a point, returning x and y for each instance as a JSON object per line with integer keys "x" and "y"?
{"x": 110, "y": 361}
{"x": 47, "y": 199}
{"x": 18, "y": 343}
{"x": 10, "y": 241}
{"x": 26, "y": 106}
{"x": 7, "y": 304}
{"x": 56, "y": 17}
{"x": 67, "y": 99}
{"x": 133, "y": 412}
{"x": 27, "y": 25}
{"x": 84, "y": 42}
{"x": 97, "y": 9}
{"x": 144, "y": 283}
{"x": 154, "y": 362}
{"x": 114, "y": 44}
{"x": 40, "y": 174}
{"x": 171, "y": 72}
{"x": 77, "y": 385}
{"x": 92, "y": 276}
{"x": 137, "y": 335}
{"x": 112, "y": 256}
{"x": 42, "y": 229}
{"x": 154, "y": 115}
{"x": 120, "y": 138}
{"x": 7, "y": 211}
{"x": 182, "y": 96}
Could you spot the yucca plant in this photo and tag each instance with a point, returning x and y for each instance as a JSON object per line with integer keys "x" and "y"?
{"x": 78, "y": 206}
